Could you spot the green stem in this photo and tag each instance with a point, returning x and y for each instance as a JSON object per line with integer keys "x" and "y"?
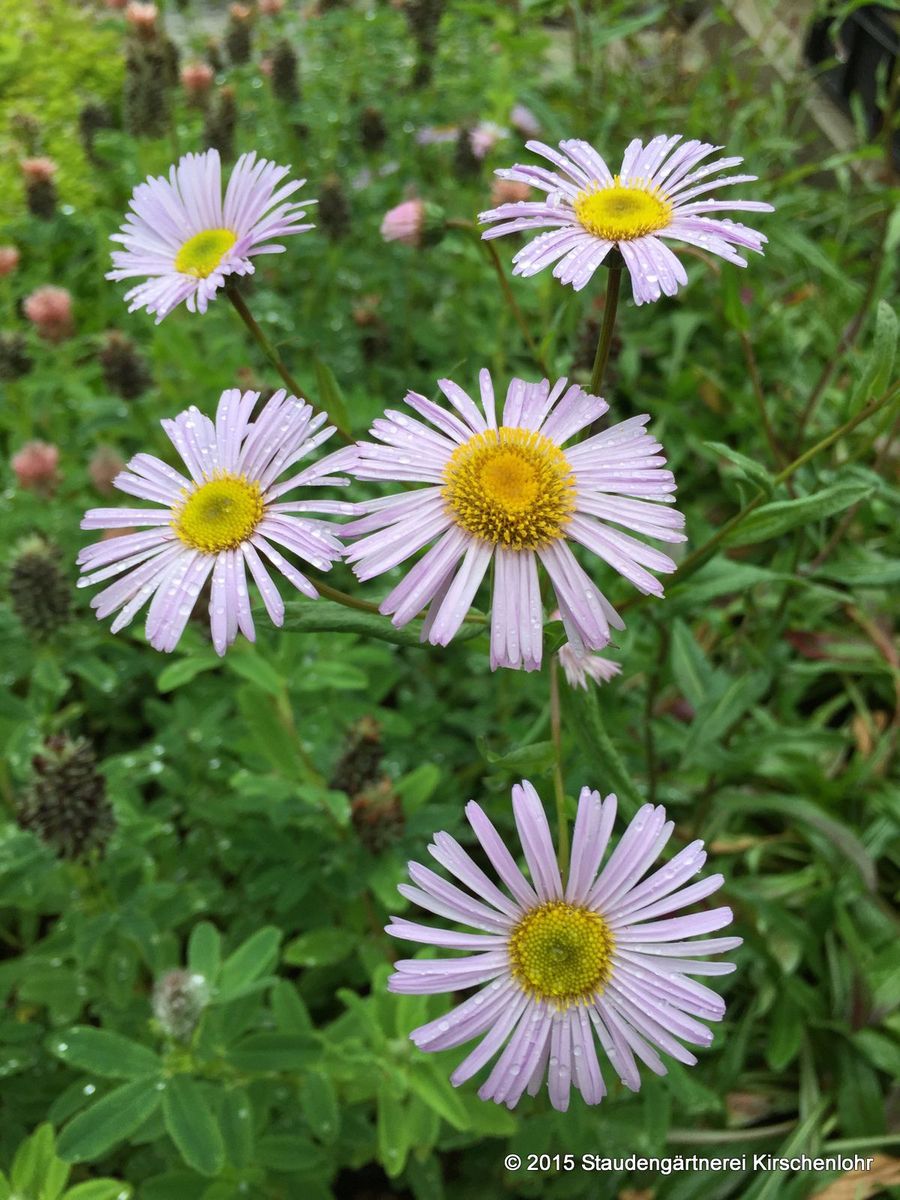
{"x": 601, "y": 358}
{"x": 240, "y": 306}
{"x": 508, "y": 295}
{"x": 694, "y": 561}
{"x": 559, "y": 789}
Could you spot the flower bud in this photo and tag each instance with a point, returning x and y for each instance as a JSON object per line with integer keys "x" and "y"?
{"x": 125, "y": 371}
{"x": 372, "y": 129}
{"x": 508, "y": 191}
{"x": 106, "y": 463}
{"x": 50, "y": 311}
{"x": 197, "y": 79}
{"x": 221, "y": 121}
{"x": 9, "y": 260}
{"x": 35, "y": 467}
{"x": 40, "y": 188}
{"x": 179, "y": 998}
{"x": 524, "y": 121}
{"x": 40, "y": 595}
{"x": 142, "y": 18}
{"x": 377, "y": 816}
{"x": 15, "y": 360}
{"x": 285, "y": 79}
{"x": 333, "y": 208}
{"x": 414, "y": 223}
{"x": 66, "y": 804}
{"x": 237, "y": 35}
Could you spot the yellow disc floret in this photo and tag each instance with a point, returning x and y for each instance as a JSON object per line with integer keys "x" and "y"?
{"x": 621, "y": 212}
{"x": 201, "y": 254}
{"x": 561, "y": 953}
{"x": 220, "y": 515}
{"x": 511, "y": 487}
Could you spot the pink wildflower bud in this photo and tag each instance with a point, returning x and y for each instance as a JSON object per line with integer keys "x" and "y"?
{"x": 105, "y": 465}
{"x": 524, "y": 121}
{"x": 38, "y": 170}
{"x": 271, "y": 8}
{"x": 35, "y": 467}
{"x": 50, "y": 311}
{"x": 142, "y": 17}
{"x": 9, "y": 259}
{"x": 507, "y": 191}
{"x": 197, "y": 79}
{"x": 414, "y": 223}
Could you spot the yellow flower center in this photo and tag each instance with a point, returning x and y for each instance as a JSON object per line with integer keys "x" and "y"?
{"x": 201, "y": 254}
{"x": 511, "y": 487}
{"x": 220, "y": 514}
{"x": 561, "y": 953}
{"x": 621, "y": 212}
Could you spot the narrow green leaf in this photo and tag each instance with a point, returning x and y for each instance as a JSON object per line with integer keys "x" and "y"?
{"x": 97, "y": 1129}
{"x": 331, "y": 398}
{"x": 100, "y": 1189}
{"x": 205, "y": 951}
{"x": 878, "y": 370}
{"x": 718, "y": 713}
{"x": 34, "y": 1162}
{"x": 104, "y": 1053}
{"x": 319, "y": 1104}
{"x": 319, "y": 947}
{"x": 431, "y": 1085}
{"x": 250, "y": 665}
{"x": 177, "y": 674}
{"x": 236, "y": 1118}
{"x": 785, "y": 1032}
{"x": 692, "y": 670}
{"x": 598, "y": 747}
{"x": 325, "y": 616}
{"x": 392, "y": 1130}
{"x": 290, "y": 1012}
{"x": 749, "y": 467}
{"x": 777, "y": 518}
{"x": 274, "y": 1052}
{"x": 251, "y": 960}
{"x": 191, "y": 1125}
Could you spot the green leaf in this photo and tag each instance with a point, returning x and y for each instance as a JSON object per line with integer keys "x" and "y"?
{"x": 526, "y": 759}
{"x": 236, "y": 1119}
{"x": 104, "y": 1053}
{"x": 97, "y": 1129}
{"x": 877, "y": 374}
{"x": 290, "y": 1012}
{"x": 36, "y": 1171}
{"x": 192, "y": 1126}
{"x": 331, "y": 398}
{"x": 5, "y": 1190}
{"x": 251, "y": 960}
{"x": 205, "y": 951}
{"x": 319, "y": 947}
{"x": 322, "y": 674}
{"x": 430, "y": 1084}
{"x": 250, "y": 665}
{"x": 319, "y": 1105}
{"x": 732, "y": 305}
{"x": 274, "y": 1052}
{"x": 392, "y": 1131}
{"x": 417, "y": 787}
{"x": 598, "y": 747}
{"x": 748, "y": 467}
{"x": 690, "y": 666}
{"x": 718, "y": 713}
{"x": 177, "y": 674}
{"x": 785, "y": 1032}
{"x": 777, "y": 518}
{"x": 325, "y": 616}
{"x": 100, "y": 1189}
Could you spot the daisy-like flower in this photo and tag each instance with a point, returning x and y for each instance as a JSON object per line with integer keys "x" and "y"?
{"x": 511, "y": 494}
{"x": 589, "y": 211}
{"x": 223, "y": 518}
{"x": 560, "y": 965}
{"x": 182, "y": 238}
{"x": 579, "y": 667}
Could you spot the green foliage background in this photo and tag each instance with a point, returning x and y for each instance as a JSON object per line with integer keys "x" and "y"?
{"x": 758, "y": 702}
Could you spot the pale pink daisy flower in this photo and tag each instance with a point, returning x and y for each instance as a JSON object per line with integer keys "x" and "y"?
{"x": 510, "y": 495}
{"x": 183, "y": 239}
{"x": 655, "y": 194}
{"x": 561, "y": 966}
{"x": 579, "y": 667}
{"x": 221, "y": 520}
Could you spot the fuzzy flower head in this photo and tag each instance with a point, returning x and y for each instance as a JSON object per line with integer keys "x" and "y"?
{"x": 484, "y": 136}
{"x": 579, "y": 667}
{"x": 197, "y": 78}
{"x": 38, "y": 170}
{"x": 560, "y": 965}
{"x": 49, "y": 309}
{"x": 221, "y": 520}
{"x": 414, "y": 223}
{"x": 659, "y": 192}
{"x": 509, "y": 491}
{"x": 35, "y": 467}
{"x": 183, "y": 239}
{"x": 9, "y": 260}
{"x": 524, "y": 121}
